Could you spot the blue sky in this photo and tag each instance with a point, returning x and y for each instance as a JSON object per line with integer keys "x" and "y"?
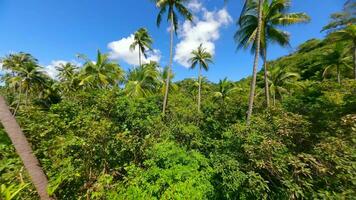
{"x": 53, "y": 30}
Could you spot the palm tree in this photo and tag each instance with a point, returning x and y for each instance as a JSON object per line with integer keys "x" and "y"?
{"x": 257, "y": 38}
{"x": 202, "y": 58}
{"x": 342, "y": 19}
{"x": 25, "y": 75}
{"x": 143, "y": 81}
{"x": 274, "y": 14}
{"x": 174, "y": 7}
{"x": 100, "y": 74}
{"x": 144, "y": 42}
{"x": 335, "y": 59}
{"x": 23, "y": 149}
{"x": 281, "y": 81}
{"x": 346, "y": 35}
{"x": 225, "y": 88}
{"x": 68, "y": 76}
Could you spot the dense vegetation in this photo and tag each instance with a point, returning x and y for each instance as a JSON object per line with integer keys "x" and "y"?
{"x": 99, "y": 132}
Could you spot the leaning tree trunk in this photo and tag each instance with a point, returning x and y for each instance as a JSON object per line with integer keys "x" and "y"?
{"x": 266, "y": 76}
{"x": 165, "y": 100}
{"x": 199, "y": 90}
{"x": 255, "y": 64}
{"x": 139, "y": 57}
{"x": 23, "y": 149}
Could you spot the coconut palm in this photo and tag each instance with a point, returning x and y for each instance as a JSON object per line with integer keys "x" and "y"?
{"x": 335, "y": 59}
{"x": 225, "y": 88}
{"x": 274, "y": 15}
{"x": 27, "y": 77}
{"x": 173, "y": 8}
{"x": 256, "y": 37}
{"x": 24, "y": 150}
{"x": 346, "y": 35}
{"x": 342, "y": 19}
{"x": 100, "y": 74}
{"x": 143, "y": 81}
{"x": 202, "y": 58}
{"x": 143, "y": 41}
{"x": 281, "y": 82}
{"x": 68, "y": 76}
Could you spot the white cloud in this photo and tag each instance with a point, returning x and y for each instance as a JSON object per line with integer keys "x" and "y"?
{"x": 120, "y": 49}
{"x": 205, "y": 30}
{"x": 195, "y": 5}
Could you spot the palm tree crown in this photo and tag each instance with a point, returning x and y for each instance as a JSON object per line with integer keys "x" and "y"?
{"x": 144, "y": 42}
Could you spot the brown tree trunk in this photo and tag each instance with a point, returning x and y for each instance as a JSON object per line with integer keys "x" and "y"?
{"x": 255, "y": 64}
{"x": 165, "y": 100}
{"x": 199, "y": 91}
{"x": 266, "y": 76}
{"x": 23, "y": 149}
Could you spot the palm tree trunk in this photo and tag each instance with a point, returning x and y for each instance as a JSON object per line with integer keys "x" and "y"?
{"x": 266, "y": 76}
{"x": 18, "y": 101}
{"x": 255, "y": 64}
{"x": 139, "y": 57}
{"x": 199, "y": 91}
{"x": 165, "y": 100}
{"x": 338, "y": 74}
{"x": 23, "y": 149}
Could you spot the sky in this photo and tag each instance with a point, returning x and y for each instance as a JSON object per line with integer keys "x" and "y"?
{"x": 56, "y": 31}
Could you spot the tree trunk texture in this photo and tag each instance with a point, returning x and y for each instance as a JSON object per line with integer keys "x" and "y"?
{"x": 165, "y": 100}
{"x": 266, "y": 77}
{"x": 24, "y": 150}
{"x": 255, "y": 64}
{"x": 199, "y": 91}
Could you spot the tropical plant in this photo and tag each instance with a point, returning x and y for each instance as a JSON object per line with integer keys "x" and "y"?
{"x": 68, "y": 76}
{"x": 346, "y": 35}
{"x": 11, "y": 191}
{"x": 225, "y": 88}
{"x": 143, "y": 41}
{"x": 281, "y": 82}
{"x": 202, "y": 58}
{"x": 100, "y": 74}
{"x": 335, "y": 58}
{"x": 274, "y": 15}
{"x": 256, "y": 38}
{"x": 174, "y": 7}
{"x": 340, "y": 20}
{"x": 143, "y": 81}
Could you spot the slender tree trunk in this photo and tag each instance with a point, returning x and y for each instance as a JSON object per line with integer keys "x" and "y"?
{"x": 18, "y": 101}
{"x": 255, "y": 64}
{"x": 338, "y": 74}
{"x": 165, "y": 100}
{"x": 139, "y": 57}
{"x": 354, "y": 56}
{"x": 266, "y": 76}
{"x": 23, "y": 149}
{"x": 199, "y": 90}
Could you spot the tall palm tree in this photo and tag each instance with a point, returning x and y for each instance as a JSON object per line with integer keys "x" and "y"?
{"x": 335, "y": 59}
{"x": 143, "y": 81}
{"x": 342, "y": 19}
{"x": 281, "y": 81}
{"x": 100, "y": 74}
{"x": 143, "y": 41}
{"x": 257, "y": 38}
{"x": 23, "y": 149}
{"x": 173, "y": 8}
{"x": 347, "y": 35}
{"x": 274, "y": 15}
{"x": 202, "y": 58}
